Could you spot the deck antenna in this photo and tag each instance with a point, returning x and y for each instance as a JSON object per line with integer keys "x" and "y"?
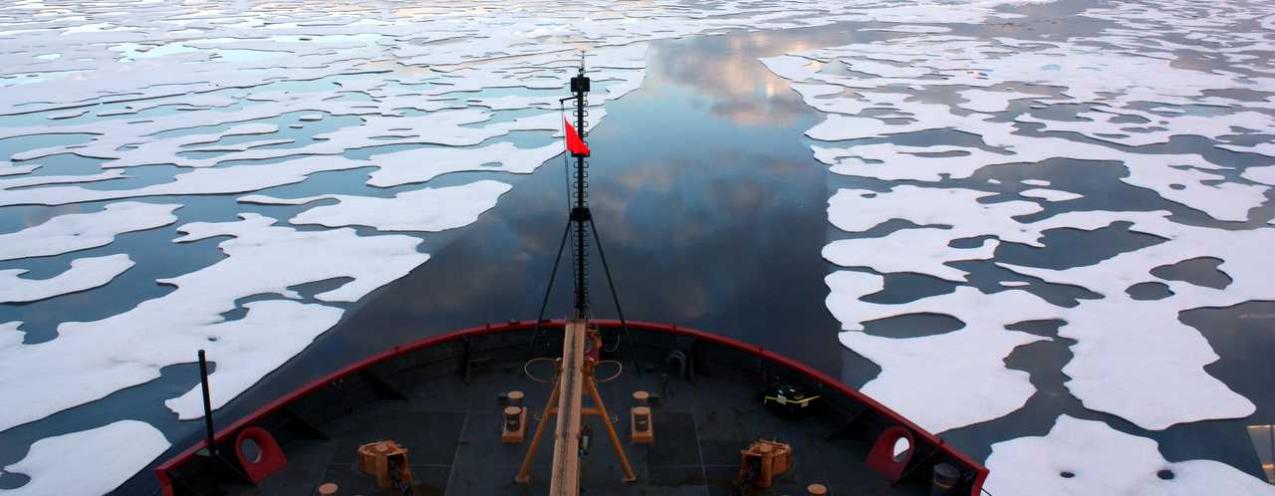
{"x": 582, "y": 343}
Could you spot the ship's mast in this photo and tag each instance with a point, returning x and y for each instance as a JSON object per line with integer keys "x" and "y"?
{"x": 580, "y": 223}
{"x": 580, "y": 213}
{"x": 582, "y": 344}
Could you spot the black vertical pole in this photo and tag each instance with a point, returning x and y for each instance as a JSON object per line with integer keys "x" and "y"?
{"x": 580, "y": 85}
{"x": 208, "y": 421}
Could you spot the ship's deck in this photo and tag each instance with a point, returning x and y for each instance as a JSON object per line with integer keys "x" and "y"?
{"x": 452, "y": 432}
{"x": 441, "y": 403}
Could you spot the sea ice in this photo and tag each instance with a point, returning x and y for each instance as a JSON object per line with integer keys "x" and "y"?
{"x": 1261, "y": 174}
{"x": 89, "y": 360}
{"x": 947, "y": 380}
{"x": 8, "y": 169}
{"x": 920, "y": 251}
{"x": 407, "y": 77}
{"x": 1089, "y": 457}
{"x": 9, "y": 334}
{"x": 426, "y": 209}
{"x": 1103, "y": 126}
{"x": 989, "y": 101}
{"x": 1118, "y": 365}
{"x": 72, "y": 232}
{"x": 897, "y": 162}
{"x": 1267, "y": 149}
{"x": 856, "y": 210}
{"x": 1134, "y": 358}
{"x": 210, "y": 181}
{"x": 1050, "y": 195}
{"x": 1109, "y": 83}
{"x": 515, "y": 102}
{"x": 160, "y": 151}
{"x": 422, "y": 164}
{"x": 910, "y": 28}
{"x": 54, "y": 464}
{"x": 27, "y": 181}
{"x": 85, "y": 273}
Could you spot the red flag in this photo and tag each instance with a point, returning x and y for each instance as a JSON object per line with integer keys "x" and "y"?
{"x": 575, "y": 145}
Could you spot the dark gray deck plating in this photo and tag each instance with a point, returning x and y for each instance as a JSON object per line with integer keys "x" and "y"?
{"x": 440, "y": 402}
{"x": 453, "y": 433}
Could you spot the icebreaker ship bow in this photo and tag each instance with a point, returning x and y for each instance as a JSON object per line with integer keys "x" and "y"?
{"x": 514, "y": 407}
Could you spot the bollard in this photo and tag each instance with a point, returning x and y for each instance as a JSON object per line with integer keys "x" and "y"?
{"x": 515, "y": 425}
{"x": 945, "y": 479}
{"x": 640, "y": 429}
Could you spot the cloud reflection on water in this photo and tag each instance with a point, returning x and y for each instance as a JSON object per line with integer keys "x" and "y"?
{"x": 726, "y": 70}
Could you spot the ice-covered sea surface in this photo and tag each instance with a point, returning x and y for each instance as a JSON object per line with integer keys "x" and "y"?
{"x": 998, "y": 166}
{"x": 1045, "y": 225}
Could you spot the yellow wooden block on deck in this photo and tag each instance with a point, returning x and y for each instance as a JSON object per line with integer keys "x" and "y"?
{"x": 514, "y": 428}
{"x": 641, "y": 429}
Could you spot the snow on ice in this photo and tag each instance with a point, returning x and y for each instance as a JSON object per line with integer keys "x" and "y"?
{"x": 1089, "y": 457}
{"x": 48, "y": 459}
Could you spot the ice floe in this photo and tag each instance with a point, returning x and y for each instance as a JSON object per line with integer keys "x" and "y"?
{"x": 1110, "y": 108}
{"x": 989, "y": 101}
{"x": 1267, "y": 149}
{"x": 920, "y": 251}
{"x": 1113, "y": 126}
{"x": 158, "y": 151}
{"x": 9, "y": 334}
{"x": 1261, "y": 174}
{"x": 26, "y": 181}
{"x": 89, "y": 360}
{"x": 1089, "y": 457}
{"x": 947, "y": 380}
{"x": 85, "y": 273}
{"x": 895, "y": 162}
{"x": 8, "y": 169}
{"x": 957, "y": 210}
{"x": 1111, "y": 83}
{"x": 1180, "y": 178}
{"x": 49, "y": 463}
{"x": 911, "y": 28}
{"x": 73, "y": 232}
{"x": 1051, "y": 195}
{"x": 1119, "y": 364}
{"x": 210, "y": 181}
{"x": 1134, "y": 358}
{"x": 425, "y": 209}
{"x": 422, "y": 164}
